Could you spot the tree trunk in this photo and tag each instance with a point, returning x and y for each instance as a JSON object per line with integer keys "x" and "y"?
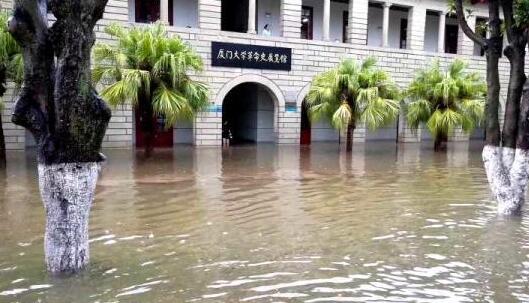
{"x": 67, "y": 191}
{"x": 149, "y": 132}
{"x": 506, "y": 155}
{"x": 349, "y": 138}
{"x": 508, "y": 168}
{"x": 2, "y": 144}
{"x": 440, "y": 142}
{"x": 148, "y": 122}
{"x": 59, "y": 106}
{"x": 3, "y": 80}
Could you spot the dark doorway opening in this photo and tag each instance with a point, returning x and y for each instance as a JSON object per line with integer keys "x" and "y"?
{"x": 451, "y": 36}
{"x": 234, "y": 16}
{"x": 149, "y": 11}
{"x": 306, "y": 128}
{"x": 248, "y": 114}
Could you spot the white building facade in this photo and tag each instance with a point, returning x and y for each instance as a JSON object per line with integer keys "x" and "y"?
{"x": 266, "y": 105}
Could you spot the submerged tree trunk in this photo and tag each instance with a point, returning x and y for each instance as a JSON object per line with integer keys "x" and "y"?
{"x": 3, "y": 80}
{"x": 349, "y": 138}
{"x": 67, "y": 190}
{"x": 440, "y": 142}
{"x": 2, "y": 143}
{"x": 506, "y": 154}
{"x": 59, "y": 106}
{"x": 147, "y": 122}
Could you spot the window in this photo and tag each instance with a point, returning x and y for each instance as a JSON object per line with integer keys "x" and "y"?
{"x": 403, "y": 33}
{"x": 481, "y": 29}
{"x": 345, "y": 24}
{"x": 234, "y": 16}
{"x": 149, "y": 11}
{"x": 307, "y": 22}
{"x": 451, "y": 37}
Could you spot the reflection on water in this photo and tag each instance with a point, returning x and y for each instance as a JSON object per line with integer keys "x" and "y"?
{"x": 279, "y": 224}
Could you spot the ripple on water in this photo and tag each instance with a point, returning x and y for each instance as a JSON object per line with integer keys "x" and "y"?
{"x": 277, "y": 224}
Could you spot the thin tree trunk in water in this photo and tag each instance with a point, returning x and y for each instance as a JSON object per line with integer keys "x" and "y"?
{"x": 3, "y": 80}
{"x": 350, "y": 131}
{"x": 440, "y": 142}
{"x": 61, "y": 109}
{"x": 148, "y": 126}
{"x": 2, "y": 144}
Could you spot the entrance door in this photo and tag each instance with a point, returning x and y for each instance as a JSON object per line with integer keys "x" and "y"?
{"x": 163, "y": 137}
{"x": 306, "y": 130}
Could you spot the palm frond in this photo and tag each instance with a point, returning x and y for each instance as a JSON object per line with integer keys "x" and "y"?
{"x": 145, "y": 59}
{"x": 342, "y": 116}
{"x": 446, "y": 99}
{"x": 354, "y": 92}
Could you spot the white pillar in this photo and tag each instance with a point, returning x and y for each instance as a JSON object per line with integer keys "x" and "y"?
{"x": 442, "y": 27}
{"x": 465, "y": 46}
{"x": 385, "y": 24}
{"x": 358, "y": 10}
{"x": 164, "y": 11}
{"x": 291, "y": 18}
{"x": 209, "y": 14}
{"x": 326, "y": 19}
{"x": 251, "y": 16}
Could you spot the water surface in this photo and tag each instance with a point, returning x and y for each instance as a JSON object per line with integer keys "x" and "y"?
{"x": 276, "y": 224}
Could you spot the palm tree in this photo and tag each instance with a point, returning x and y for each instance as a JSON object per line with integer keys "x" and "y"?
{"x": 11, "y": 69}
{"x": 150, "y": 70}
{"x": 445, "y": 100}
{"x": 352, "y": 93}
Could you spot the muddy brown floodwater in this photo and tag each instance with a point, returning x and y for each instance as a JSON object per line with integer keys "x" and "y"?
{"x": 276, "y": 224}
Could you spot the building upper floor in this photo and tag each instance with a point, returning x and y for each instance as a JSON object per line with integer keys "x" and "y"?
{"x": 423, "y": 25}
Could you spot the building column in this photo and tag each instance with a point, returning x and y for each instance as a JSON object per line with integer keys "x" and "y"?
{"x": 326, "y": 19}
{"x": 385, "y": 24}
{"x": 209, "y": 14}
{"x": 291, "y": 18}
{"x": 358, "y": 10}
{"x": 251, "y": 16}
{"x": 164, "y": 11}
{"x": 442, "y": 27}
{"x": 416, "y": 28}
{"x": 465, "y": 46}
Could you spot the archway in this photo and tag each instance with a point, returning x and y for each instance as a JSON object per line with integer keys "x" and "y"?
{"x": 249, "y": 114}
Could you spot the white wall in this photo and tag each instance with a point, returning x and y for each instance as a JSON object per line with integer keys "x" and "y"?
{"x": 374, "y": 27}
{"x": 322, "y": 131}
{"x": 183, "y": 132}
{"x": 272, "y": 9}
{"x": 185, "y": 13}
{"x": 336, "y": 22}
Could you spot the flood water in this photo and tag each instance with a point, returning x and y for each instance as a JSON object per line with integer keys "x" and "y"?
{"x": 276, "y": 224}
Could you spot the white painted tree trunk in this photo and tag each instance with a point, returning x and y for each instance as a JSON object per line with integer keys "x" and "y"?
{"x": 508, "y": 173}
{"x": 67, "y": 191}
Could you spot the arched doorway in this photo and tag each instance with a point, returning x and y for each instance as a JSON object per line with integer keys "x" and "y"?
{"x": 249, "y": 114}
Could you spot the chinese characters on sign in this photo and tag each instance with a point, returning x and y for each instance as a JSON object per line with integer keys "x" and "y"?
{"x": 250, "y": 56}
